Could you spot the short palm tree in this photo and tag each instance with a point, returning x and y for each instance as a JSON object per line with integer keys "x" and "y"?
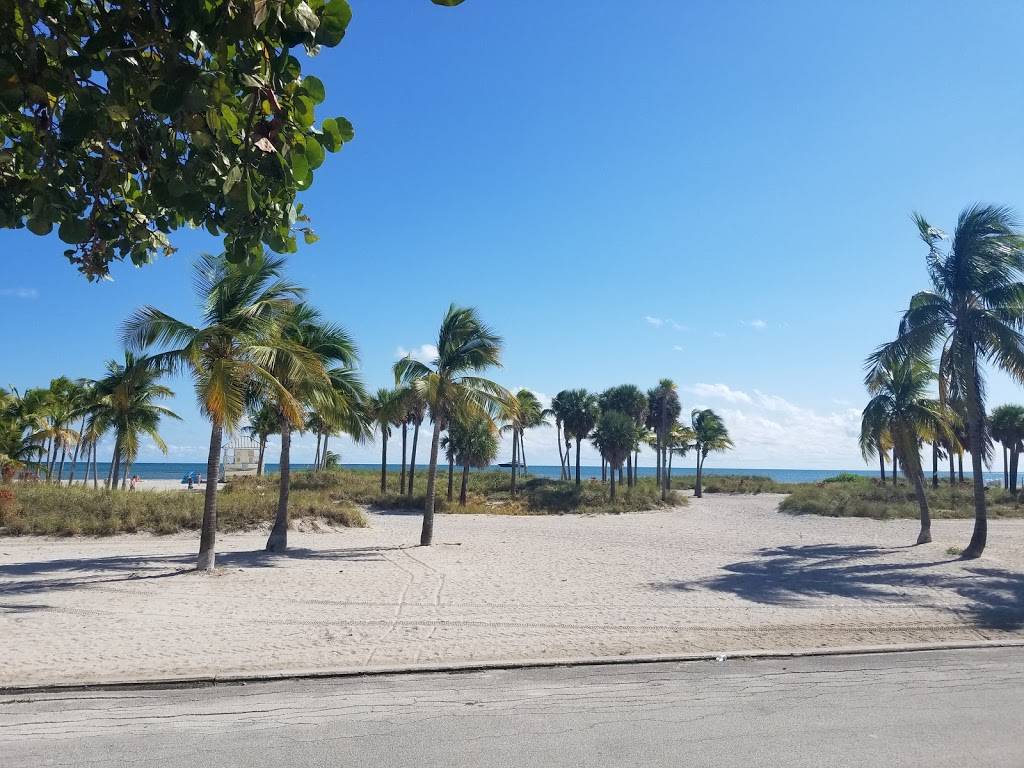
{"x": 974, "y": 312}
{"x": 231, "y": 354}
{"x": 387, "y": 408}
{"x": 520, "y": 412}
{"x": 1007, "y": 427}
{"x": 614, "y": 437}
{"x": 580, "y": 411}
{"x": 127, "y": 403}
{"x": 558, "y": 411}
{"x": 263, "y": 422}
{"x": 709, "y": 435}
{"x": 473, "y": 443}
{"x": 901, "y": 403}
{"x": 449, "y": 386}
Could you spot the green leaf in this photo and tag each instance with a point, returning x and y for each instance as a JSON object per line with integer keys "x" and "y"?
{"x": 40, "y": 226}
{"x": 299, "y": 164}
{"x": 306, "y": 17}
{"x": 314, "y": 153}
{"x": 167, "y": 98}
{"x": 314, "y": 88}
{"x": 333, "y": 23}
{"x": 74, "y": 231}
{"x": 309, "y": 236}
{"x": 302, "y": 107}
{"x": 332, "y": 135}
{"x": 347, "y": 131}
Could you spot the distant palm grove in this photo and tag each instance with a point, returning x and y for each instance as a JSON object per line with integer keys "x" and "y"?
{"x": 265, "y": 362}
{"x": 927, "y": 386}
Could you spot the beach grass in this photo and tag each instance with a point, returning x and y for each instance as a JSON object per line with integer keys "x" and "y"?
{"x": 335, "y": 497}
{"x": 48, "y": 510}
{"x": 867, "y": 497}
{"x": 733, "y": 484}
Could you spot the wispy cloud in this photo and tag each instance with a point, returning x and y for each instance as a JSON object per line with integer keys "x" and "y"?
{"x": 425, "y": 353}
{"x": 720, "y": 392}
{"x": 757, "y": 325}
{"x": 718, "y": 334}
{"x": 677, "y": 348}
{"x": 657, "y": 322}
{"x": 19, "y": 293}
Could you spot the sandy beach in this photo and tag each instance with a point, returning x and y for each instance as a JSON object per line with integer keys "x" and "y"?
{"x": 725, "y": 573}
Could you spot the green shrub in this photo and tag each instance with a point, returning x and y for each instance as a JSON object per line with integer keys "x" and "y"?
{"x": 843, "y": 477}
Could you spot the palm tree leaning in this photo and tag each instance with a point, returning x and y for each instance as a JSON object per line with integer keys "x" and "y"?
{"x": 709, "y": 436}
{"x": 308, "y": 348}
{"x": 449, "y": 388}
{"x": 232, "y": 352}
{"x": 974, "y": 312}
{"x": 900, "y": 401}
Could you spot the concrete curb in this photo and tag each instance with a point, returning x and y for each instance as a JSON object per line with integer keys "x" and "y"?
{"x": 201, "y": 681}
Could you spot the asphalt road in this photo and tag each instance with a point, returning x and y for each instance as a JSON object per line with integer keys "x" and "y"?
{"x": 927, "y": 709}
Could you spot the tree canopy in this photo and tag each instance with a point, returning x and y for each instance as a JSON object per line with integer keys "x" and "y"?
{"x": 123, "y": 120}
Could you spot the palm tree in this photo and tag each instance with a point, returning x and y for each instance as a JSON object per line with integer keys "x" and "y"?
{"x": 709, "y": 436}
{"x": 231, "y": 353}
{"x": 1007, "y": 427}
{"x": 417, "y": 411}
{"x": 558, "y": 410}
{"x": 614, "y": 437}
{"x": 263, "y": 422}
{"x": 663, "y": 411}
{"x": 680, "y": 441}
{"x": 520, "y": 412}
{"x": 974, "y": 312}
{"x": 127, "y": 402}
{"x": 313, "y": 346}
{"x": 473, "y": 443}
{"x": 581, "y": 411}
{"x": 875, "y": 440}
{"x": 464, "y": 345}
{"x": 899, "y": 400}
{"x": 387, "y": 408}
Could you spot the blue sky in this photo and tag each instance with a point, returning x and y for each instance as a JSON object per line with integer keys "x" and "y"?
{"x": 715, "y": 192}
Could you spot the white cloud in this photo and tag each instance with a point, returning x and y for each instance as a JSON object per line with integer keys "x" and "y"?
{"x": 657, "y": 322}
{"x": 720, "y": 392}
{"x": 677, "y": 348}
{"x": 20, "y": 293}
{"x": 425, "y": 353}
{"x": 718, "y": 334}
{"x": 757, "y": 325}
{"x": 678, "y": 326}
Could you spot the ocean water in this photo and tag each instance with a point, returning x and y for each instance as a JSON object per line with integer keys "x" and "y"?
{"x": 176, "y": 470}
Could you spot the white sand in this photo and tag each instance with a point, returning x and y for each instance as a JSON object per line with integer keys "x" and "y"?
{"x": 726, "y": 573}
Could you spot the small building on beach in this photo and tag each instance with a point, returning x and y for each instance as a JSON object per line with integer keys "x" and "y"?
{"x": 240, "y": 457}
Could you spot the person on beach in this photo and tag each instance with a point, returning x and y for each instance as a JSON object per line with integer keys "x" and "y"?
{"x": 134, "y": 483}
{"x": 190, "y": 483}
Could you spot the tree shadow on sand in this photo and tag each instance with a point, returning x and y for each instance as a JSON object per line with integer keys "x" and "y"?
{"x": 789, "y": 575}
{"x": 70, "y": 573}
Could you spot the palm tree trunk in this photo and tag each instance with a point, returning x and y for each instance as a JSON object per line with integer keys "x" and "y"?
{"x": 316, "y": 456}
{"x": 515, "y": 460}
{"x": 657, "y": 454}
{"x": 427, "y": 534}
{"x": 895, "y": 468}
{"x": 465, "y": 483}
{"x": 917, "y": 477}
{"x": 405, "y": 436}
{"x": 668, "y": 476}
{"x": 1006, "y": 470}
{"x": 263, "y": 450}
{"x": 629, "y": 469}
{"x": 74, "y": 460}
{"x": 935, "y": 465}
{"x": 698, "y": 489}
{"x": 208, "y": 536}
{"x": 412, "y": 459}
{"x": 278, "y": 539}
{"x": 125, "y": 465}
{"x": 522, "y": 450}
{"x": 611, "y": 488}
{"x": 95, "y": 479}
{"x": 115, "y": 463}
{"x": 63, "y": 456}
{"x": 323, "y": 453}
{"x": 881, "y": 465}
{"x": 604, "y": 470}
{"x": 383, "y": 462}
{"x": 960, "y": 466}
{"x": 976, "y": 445}
{"x": 578, "y": 441}
{"x": 561, "y": 461}
{"x": 451, "y": 474}
{"x": 1014, "y": 464}
{"x": 636, "y": 466}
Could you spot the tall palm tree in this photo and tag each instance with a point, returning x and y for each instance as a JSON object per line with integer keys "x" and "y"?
{"x": 314, "y": 346}
{"x": 263, "y": 422}
{"x": 581, "y": 411}
{"x": 900, "y": 401}
{"x": 875, "y": 440}
{"x": 465, "y": 346}
{"x": 558, "y": 410}
{"x": 614, "y": 436}
{"x": 417, "y": 410}
{"x": 663, "y": 411}
{"x": 520, "y": 412}
{"x": 232, "y": 352}
{"x": 127, "y": 403}
{"x": 473, "y": 443}
{"x": 387, "y": 408}
{"x": 974, "y": 312}
{"x": 709, "y": 436}
{"x": 627, "y": 399}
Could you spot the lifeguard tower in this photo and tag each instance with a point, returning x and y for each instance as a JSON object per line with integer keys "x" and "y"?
{"x": 239, "y": 458}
